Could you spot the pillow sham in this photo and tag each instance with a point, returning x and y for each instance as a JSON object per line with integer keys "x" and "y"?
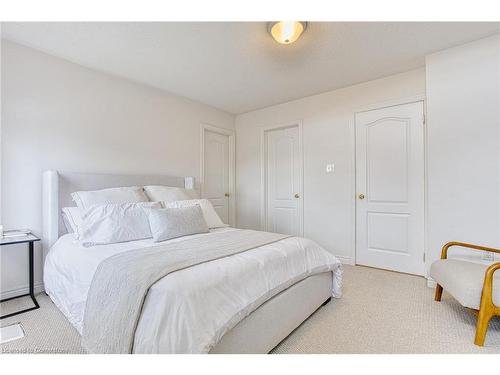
{"x": 213, "y": 220}
{"x": 168, "y": 223}
{"x": 112, "y": 223}
{"x": 86, "y": 199}
{"x": 72, "y": 219}
{"x": 159, "y": 193}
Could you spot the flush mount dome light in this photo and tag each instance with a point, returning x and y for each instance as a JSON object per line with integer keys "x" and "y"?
{"x": 286, "y": 32}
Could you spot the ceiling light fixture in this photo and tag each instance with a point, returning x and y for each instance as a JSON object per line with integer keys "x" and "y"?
{"x": 286, "y": 32}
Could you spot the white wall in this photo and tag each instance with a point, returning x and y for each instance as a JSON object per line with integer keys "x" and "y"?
{"x": 463, "y": 104}
{"x": 59, "y": 115}
{"x": 328, "y": 138}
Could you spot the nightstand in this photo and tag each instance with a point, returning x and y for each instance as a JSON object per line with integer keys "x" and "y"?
{"x": 30, "y": 239}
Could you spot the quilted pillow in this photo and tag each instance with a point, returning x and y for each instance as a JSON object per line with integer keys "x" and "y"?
{"x": 213, "y": 220}
{"x": 168, "y": 223}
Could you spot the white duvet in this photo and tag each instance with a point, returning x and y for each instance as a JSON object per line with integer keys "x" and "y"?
{"x": 188, "y": 311}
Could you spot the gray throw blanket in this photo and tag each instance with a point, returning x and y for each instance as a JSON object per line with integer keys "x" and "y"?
{"x": 122, "y": 281}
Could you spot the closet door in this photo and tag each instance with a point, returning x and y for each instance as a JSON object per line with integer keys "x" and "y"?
{"x": 390, "y": 188}
{"x": 283, "y": 188}
{"x": 217, "y": 172}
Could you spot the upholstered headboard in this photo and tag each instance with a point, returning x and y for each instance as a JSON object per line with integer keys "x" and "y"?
{"x": 58, "y": 186}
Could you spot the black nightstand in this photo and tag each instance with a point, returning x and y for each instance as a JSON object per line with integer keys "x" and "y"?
{"x": 30, "y": 240}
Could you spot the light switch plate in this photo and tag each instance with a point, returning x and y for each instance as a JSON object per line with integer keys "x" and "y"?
{"x": 489, "y": 256}
{"x": 330, "y": 168}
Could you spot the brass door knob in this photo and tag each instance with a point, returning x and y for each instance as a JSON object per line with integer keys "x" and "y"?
{"x": 297, "y": 195}
{"x": 226, "y": 195}
{"x": 361, "y": 196}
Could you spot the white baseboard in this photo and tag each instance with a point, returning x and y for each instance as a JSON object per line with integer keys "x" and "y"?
{"x": 20, "y": 291}
{"x": 431, "y": 283}
{"x": 345, "y": 260}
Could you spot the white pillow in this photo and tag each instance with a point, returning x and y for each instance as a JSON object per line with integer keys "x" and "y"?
{"x": 159, "y": 193}
{"x": 72, "y": 218}
{"x": 213, "y": 220}
{"x": 168, "y": 223}
{"x": 87, "y": 199}
{"x": 111, "y": 223}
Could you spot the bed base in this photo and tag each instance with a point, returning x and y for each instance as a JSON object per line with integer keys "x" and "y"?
{"x": 274, "y": 320}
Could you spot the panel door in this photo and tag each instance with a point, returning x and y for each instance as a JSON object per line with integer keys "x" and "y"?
{"x": 283, "y": 188}
{"x": 390, "y": 188}
{"x": 216, "y": 173}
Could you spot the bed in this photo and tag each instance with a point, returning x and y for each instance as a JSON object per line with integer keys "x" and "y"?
{"x": 244, "y": 303}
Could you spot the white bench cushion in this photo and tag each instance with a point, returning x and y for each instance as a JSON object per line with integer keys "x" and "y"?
{"x": 464, "y": 281}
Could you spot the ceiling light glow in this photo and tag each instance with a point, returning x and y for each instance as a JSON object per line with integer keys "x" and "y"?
{"x": 286, "y": 32}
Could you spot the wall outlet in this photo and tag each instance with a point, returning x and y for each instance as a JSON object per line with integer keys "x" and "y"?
{"x": 330, "y": 168}
{"x": 489, "y": 256}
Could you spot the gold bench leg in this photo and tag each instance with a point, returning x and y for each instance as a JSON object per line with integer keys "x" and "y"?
{"x": 486, "y": 308}
{"x": 439, "y": 293}
{"x": 483, "y": 319}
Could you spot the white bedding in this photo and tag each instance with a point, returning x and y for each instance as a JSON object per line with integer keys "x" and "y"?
{"x": 185, "y": 310}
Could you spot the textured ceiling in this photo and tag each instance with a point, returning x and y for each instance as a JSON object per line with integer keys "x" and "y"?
{"x": 236, "y": 66}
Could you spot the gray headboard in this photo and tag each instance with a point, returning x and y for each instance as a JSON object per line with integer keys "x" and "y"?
{"x": 58, "y": 186}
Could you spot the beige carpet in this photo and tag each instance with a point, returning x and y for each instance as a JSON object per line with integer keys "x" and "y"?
{"x": 46, "y": 329}
{"x": 381, "y": 312}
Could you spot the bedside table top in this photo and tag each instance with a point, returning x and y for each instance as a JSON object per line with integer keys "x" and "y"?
{"x": 19, "y": 239}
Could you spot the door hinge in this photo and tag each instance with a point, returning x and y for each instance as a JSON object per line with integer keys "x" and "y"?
{"x": 423, "y": 119}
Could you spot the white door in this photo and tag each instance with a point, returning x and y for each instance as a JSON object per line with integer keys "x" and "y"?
{"x": 390, "y": 188}
{"x": 283, "y": 171}
{"x": 216, "y": 173}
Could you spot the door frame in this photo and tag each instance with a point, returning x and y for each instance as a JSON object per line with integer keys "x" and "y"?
{"x": 263, "y": 172}
{"x": 232, "y": 165}
{"x": 382, "y": 105}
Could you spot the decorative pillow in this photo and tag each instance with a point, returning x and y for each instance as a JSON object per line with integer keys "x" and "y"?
{"x": 87, "y": 199}
{"x": 168, "y": 223}
{"x": 213, "y": 220}
{"x": 111, "y": 223}
{"x": 158, "y": 193}
{"x": 72, "y": 219}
